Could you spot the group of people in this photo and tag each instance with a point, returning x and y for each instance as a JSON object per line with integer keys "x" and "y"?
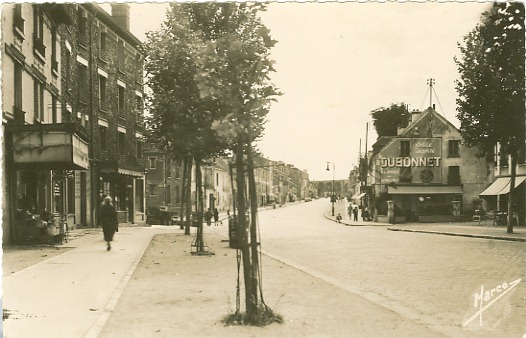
{"x": 209, "y": 214}
{"x": 353, "y": 214}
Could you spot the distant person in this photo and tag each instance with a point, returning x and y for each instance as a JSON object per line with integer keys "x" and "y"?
{"x": 355, "y": 214}
{"x": 216, "y": 216}
{"x": 339, "y": 218}
{"x": 365, "y": 214}
{"x": 208, "y": 217}
{"x": 108, "y": 220}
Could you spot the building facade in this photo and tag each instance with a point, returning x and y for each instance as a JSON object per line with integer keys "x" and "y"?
{"x": 64, "y": 80}
{"x": 427, "y": 171}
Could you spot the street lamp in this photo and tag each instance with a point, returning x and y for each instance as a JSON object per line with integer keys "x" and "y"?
{"x": 332, "y": 196}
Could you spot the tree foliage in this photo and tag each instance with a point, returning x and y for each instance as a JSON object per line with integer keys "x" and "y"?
{"x": 491, "y": 87}
{"x": 491, "y": 102}
{"x": 386, "y": 121}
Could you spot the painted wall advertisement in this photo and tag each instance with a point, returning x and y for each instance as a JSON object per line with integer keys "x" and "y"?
{"x": 415, "y": 160}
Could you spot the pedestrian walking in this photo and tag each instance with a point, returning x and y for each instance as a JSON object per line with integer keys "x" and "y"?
{"x": 355, "y": 214}
{"x": 208, "y": 217}
{"x": 216, "y": 216}
{"x": 108, "y": 220}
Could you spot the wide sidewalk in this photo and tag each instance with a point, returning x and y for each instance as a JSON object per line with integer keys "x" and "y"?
{"x": 465, "y": 229}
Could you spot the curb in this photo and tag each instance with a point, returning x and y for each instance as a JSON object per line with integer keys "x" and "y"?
{"x": 501, "y": 238}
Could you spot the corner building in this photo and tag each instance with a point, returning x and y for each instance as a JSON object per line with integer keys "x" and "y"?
{"x": 427, "y": 171}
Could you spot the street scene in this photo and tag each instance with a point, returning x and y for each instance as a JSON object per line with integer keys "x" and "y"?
{"x": 242, "y": 169}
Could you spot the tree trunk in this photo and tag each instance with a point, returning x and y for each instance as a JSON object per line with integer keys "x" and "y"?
{"x": 513, "y": 171}
{"x": 200, "y": 209}
{"x": 253, "y": 222}
{"x": 250, "y": 302}
{"x": 188, "y": 220}
{"x": 183, "y": 193}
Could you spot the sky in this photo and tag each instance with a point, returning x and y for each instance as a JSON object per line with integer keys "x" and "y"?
{"x": 338, "y": 61}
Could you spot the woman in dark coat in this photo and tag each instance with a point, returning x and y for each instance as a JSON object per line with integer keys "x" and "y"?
{"x": 108, "y": 220}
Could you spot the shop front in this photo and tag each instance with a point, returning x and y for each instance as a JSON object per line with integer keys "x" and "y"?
{"x": 496, "y": 198}
{"x": 45, "y": 170}
{"x": 426, "y": 203}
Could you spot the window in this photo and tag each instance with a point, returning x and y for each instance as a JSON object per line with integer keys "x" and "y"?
{"x": 120, "y": 55}
{"x": 67, "y": 72}
{"x": 81, "y": 18}
{"x": 168, "y": 194}
{"x": 17, "y": 110}
{"x": 54, "y": 116}
{"x": 39, "y": 102}
{"x": 453, "y": 175}
{"x": 177, "y": 197}
{"x": 102, "y": 92}
{"x": 103, "y": 138}
{"x": 152, "y": 189}
{"x": 168, "y": 168}
{"x": 18, "y": 21}
{"x": 405, "y": 148}
{"x": 54, "y": 60}
{"x": 139, "y": 148}
{"x": 138, "y": 103}
{"x": 122, "y": 143}
{"x": 153, "y": 162}
{"x": 38, "y": 31}
{"x": 454, "y": 148}
{"x": 405, "y": 175}
{"x": 121, "y": 99}
{"x": 82, "y": 82}
{"x": 103, "y": 41}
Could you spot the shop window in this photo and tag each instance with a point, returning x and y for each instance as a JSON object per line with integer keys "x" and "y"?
{"x": 405, "y": 148}
{"x": 71, "y": 192}
{"x": 454, "y": 148}
{"x": 453, "y": 175}
{"x": 405, "y": 175}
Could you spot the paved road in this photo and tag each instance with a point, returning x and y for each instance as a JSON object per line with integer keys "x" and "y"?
{"x": 427, "y": 279}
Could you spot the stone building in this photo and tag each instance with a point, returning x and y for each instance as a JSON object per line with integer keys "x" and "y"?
{"x": 72, "y": 114}
{"x": 427, "y": 171}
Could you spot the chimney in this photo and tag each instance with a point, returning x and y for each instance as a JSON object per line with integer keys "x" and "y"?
{"x": 414, "y": 115}
{"x": 121, "y": 14}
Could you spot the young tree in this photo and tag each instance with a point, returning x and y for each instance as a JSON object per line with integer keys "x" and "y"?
{"x": 491, "y": 102}
{"x": 386, "y": 121}
{"x": 180, "y": 118}
{"x": 235, "y": 68}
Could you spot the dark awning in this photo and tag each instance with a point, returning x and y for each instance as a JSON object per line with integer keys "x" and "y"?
{"x": 424, "y": 190}
{"x": 50, "y": 147}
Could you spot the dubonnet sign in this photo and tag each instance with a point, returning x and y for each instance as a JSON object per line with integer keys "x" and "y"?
{"x": 422, "y": 163}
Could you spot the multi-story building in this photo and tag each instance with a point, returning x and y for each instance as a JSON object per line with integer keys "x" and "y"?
{"x": 427, "y": 171}
{"x": 72, "y": 113}
{"x": 496, "y": 195}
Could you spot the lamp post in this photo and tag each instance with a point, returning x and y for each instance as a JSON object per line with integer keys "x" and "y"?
{"x": 332, "y": 196}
